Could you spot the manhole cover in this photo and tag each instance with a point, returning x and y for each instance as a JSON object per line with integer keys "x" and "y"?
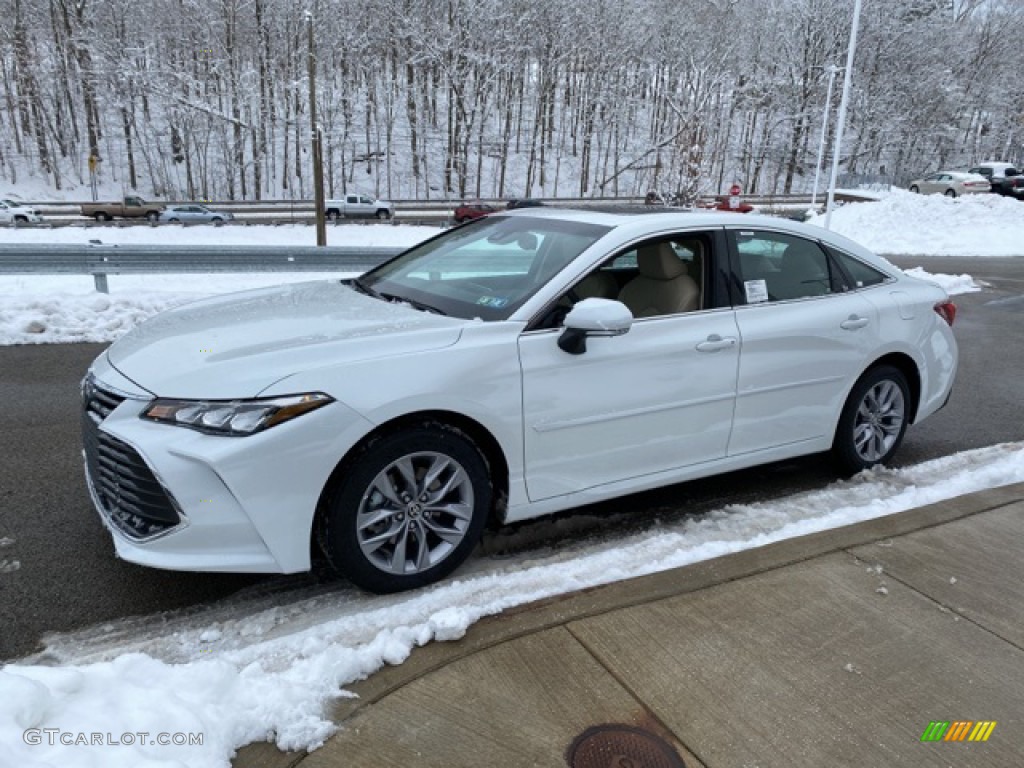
{"x": 621, "y": 746}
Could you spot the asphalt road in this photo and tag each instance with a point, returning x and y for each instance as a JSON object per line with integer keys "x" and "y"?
{"x": 57, "y": 567}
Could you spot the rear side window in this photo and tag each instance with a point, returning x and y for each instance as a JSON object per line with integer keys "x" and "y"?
{"x": 860, "y": 273}
{"x": 775, "y": 266}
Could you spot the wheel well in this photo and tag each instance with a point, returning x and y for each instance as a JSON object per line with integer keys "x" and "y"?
{"x": 474, "y": 430}
{"x": 905, "y": 365}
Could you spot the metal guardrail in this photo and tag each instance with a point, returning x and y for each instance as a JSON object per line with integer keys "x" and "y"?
{"x": 103, "y": 260}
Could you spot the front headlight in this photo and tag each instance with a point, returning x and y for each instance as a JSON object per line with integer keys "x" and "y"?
{"x": 233, "y": 417}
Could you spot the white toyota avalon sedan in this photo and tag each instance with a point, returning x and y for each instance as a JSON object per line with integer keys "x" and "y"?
{"x": 523, "y": 363}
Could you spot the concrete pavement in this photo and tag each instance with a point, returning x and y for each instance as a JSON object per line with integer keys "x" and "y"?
{"x": 834, "y": 649}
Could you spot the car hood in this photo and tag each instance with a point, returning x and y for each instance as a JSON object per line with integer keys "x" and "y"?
{"x": 239, "y": 344}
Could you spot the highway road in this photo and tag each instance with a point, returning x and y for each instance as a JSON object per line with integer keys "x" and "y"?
{"x": 67, "y": 577}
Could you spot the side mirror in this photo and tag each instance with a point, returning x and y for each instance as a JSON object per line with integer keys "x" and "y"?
{"x": 593, "y": 317}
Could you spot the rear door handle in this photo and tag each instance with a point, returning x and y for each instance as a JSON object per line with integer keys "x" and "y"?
{"x": 852, "y": 323}
{"x": 715, "y": 343}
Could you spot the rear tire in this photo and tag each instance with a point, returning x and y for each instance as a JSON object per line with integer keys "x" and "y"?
{"x": 333, "y": 215}
{"x": 950, "y": 193}
{"x": 407, "y": 510}
{"x": 101, "y": 216}
{"x": 873, "y": 421}
{"x": 383, "y": 215}
{"x": 915, "y": 189}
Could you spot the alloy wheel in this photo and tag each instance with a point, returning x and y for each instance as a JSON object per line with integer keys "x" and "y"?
{"x": 878, "y": 423}
{"x": 415, "y": 512}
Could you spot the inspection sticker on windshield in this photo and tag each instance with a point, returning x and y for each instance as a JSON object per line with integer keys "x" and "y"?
{"x": 492, "y": 301}
{"x": 757, "y": 291}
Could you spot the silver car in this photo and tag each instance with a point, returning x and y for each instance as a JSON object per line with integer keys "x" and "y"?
{"x": 193, "y": 213}
{"x": 951, "y": 184}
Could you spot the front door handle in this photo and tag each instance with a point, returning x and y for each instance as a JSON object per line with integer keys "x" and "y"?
{"x": 716, "y": 343}
{"x": 853, "y": 322}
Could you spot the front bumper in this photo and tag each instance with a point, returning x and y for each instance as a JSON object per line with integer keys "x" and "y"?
{"x": 178, "y": 499}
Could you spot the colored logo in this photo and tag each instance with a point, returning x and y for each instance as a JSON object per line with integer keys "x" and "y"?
{"x": 958, "y": 730}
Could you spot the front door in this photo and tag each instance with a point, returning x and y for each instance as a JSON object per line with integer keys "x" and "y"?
{"x": 655, "y": 399}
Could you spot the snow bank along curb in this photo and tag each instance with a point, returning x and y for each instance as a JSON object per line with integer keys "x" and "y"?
{"x": 254, "y": 680}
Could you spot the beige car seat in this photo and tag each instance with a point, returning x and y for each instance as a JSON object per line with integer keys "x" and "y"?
{"x": 597, "y": 285}
{"x": 663, "y": 286}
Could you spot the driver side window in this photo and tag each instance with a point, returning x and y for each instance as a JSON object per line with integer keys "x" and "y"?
{"x": 654, "y": 278}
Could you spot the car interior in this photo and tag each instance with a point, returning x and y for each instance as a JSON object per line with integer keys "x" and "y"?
{"x": 790, "y": 268}
{"x": 662, "y": 277}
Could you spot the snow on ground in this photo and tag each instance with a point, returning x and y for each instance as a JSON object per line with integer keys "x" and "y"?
{"x": 271, "y": 674}
{"x": 902, "y": 223}
{"x": 53, "y": 309}
{"x": 952, "y": 284}
{"x": 56, "y": 309}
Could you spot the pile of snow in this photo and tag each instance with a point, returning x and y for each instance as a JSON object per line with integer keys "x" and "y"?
{"x": 903, "y": 223}
{"x": 56, "y": 309}
{"x": 257, "y": 678}
{"x": 952, "y": 284}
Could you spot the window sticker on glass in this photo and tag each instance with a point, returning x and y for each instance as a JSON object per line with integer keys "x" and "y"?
{"x": 492, "y": 301}
{"x": 756, "y": 290}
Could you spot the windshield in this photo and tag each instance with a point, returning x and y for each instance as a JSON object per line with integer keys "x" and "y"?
{"x": 486, "y": 269}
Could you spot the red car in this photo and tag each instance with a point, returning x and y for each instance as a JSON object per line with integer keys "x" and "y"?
{"x": 472, "y": 210}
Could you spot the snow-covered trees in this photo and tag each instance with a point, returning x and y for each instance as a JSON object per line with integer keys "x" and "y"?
{"x": 491, "y": 98}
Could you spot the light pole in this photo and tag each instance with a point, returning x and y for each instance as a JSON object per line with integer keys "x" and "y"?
{"x": 832, "y": 69}
{"x": 318, "y": 166}
{"x": 847, "y": 76}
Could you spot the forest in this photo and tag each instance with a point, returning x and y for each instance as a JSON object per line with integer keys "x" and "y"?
{"x": 445, "y": 99}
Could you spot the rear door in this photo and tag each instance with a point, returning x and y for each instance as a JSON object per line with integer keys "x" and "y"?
{"x": 805, "y": 339}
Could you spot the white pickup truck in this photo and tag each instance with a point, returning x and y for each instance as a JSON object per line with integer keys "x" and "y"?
{"x": 363, "y": 206}
{"x": 16, "y": 212}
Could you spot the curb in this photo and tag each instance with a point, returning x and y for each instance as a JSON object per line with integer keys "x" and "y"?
{"x": 555, "y": 611}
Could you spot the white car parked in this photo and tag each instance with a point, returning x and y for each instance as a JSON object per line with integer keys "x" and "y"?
{"x": 523, "y": 363}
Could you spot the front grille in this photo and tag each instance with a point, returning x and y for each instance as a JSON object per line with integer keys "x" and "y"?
{"x": 124, "y": 487}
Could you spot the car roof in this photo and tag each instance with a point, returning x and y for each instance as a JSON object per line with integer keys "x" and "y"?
{"x": 630, "y": 224}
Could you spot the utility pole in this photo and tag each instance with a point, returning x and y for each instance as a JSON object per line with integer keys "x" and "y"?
{"x": 847, "y": 76}
{"x": 317, "y": 140}
{"x": 832, "y": 70}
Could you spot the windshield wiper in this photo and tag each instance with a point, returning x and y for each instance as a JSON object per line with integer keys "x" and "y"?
{"x": 364, "y": 288}
{"x": 412, "y": 303}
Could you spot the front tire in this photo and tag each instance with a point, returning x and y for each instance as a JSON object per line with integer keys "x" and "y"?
{"x": 408, "y": 509}
{"x": 873, "y": 421}
{"x": 950, "y": 193}
{"x": 153, "y": 216}
{"x": 915, "y": 189}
